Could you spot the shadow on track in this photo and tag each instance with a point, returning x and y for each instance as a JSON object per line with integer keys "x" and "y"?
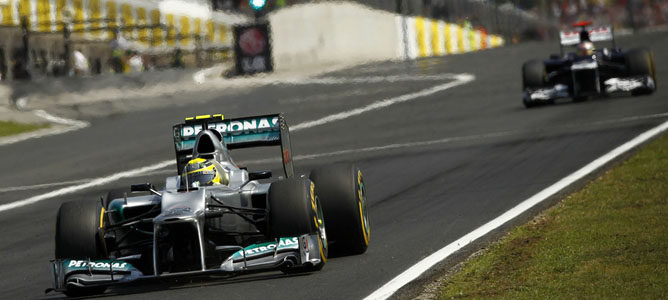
{"x": 178, "y": 284}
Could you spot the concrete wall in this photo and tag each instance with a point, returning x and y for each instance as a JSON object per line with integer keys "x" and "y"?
{"x": 331, "y": 33}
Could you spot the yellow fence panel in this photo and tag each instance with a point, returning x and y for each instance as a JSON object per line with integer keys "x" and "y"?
{"x": 435, "y": 39}
{"x": 143, "y": 26}
{"x": 112, "y": 16}
{"x": 95, "y": 13}
{"x": 210, "y": 31}
{"x": 421, "y": 38}
{"x": 185, "y": 31}
{"x": 157, "y": 30}
{"x": 222, "y": 34}
{"x": 43, "y": 15}
{"x": 128, "y": 20}
{"x": 171, "y": 30}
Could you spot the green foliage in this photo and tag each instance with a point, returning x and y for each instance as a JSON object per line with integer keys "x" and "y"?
{"x": 9, "y": 128}
{"x": 609, "y": 240}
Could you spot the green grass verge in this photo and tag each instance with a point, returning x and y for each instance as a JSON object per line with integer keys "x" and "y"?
{"x": 10, "y": 128}
{"x": 608, "y": 240}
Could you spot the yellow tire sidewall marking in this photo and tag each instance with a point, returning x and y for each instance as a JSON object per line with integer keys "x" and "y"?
{"x": 359, "y": 203}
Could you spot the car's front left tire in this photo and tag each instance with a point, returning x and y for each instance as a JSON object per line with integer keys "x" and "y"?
{"x": 78, "y": 236}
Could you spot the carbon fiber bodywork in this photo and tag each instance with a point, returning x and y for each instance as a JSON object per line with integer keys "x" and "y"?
{"x": 191, "y": 230}
{"x": 601, "y": 74}
{"x": 604, "y": 72}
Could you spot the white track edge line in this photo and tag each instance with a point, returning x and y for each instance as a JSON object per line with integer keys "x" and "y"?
{"x": 459, "y": 79}
{"x": 95, "y": 182}
{"x": 78, "y": 181}
{"x": 425, "y": 264}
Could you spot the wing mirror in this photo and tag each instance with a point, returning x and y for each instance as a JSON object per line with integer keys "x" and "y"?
{"x": 259, "y": 175}
{"x": 144, "y": 187}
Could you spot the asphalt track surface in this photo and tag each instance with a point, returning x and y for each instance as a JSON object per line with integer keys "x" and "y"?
{"x": 436, "y": 166}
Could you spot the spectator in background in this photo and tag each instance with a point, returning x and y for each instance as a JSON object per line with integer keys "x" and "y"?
{"x": 177, "y": 61}
{"x": 97, "y": 66}
{"x": 19, "y": 67}
{"x": 80, "y": 63}
{"x": 135, "y": 62}
{"x": 116, "y": 60}
{"x": 3, "y": 66}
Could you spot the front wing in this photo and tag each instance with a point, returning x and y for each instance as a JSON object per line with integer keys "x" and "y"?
{"x": 288, "y": 252}
{"x": 610, "y": 86}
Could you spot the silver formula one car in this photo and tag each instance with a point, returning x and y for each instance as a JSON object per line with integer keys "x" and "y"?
{"x": 213, "y": 217}
{"x": 588, "y": 72}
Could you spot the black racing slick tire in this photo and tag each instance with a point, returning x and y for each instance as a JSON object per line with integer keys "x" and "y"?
{"x": 533, "y": 74}
{"x": 342, "y": 194}
{"x": 77, "y": 230}
{"x": 115, "y": 194}
{"x": 640, "y": 62}
{"x": 78, "y": 237}
{"x": 294, "y": 210}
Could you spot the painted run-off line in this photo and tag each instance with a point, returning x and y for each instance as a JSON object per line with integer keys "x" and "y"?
{"x": 152, "y": 170}
{"x": 301, "y": 157}
{"x": 458, "y": 79}
{"x": 371, "y": 149}
{"x": 79, "y": 187}
{"x": 71, "y": 182}
{"x": 425, "y": 264}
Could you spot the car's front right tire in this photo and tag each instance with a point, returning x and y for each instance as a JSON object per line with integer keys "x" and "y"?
{"x": 294, "y": 210}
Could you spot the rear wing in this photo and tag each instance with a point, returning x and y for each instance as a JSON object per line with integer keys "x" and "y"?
{"x": 594, "y": 34}
{"x": 254, "y": 131}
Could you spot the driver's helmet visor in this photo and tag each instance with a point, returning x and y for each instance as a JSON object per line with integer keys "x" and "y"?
{"x": 199, "y": 172}
{"x": 586, "y": 48}
{"x": 201, "y": 178}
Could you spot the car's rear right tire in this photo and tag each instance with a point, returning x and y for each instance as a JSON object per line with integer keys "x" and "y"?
{"x": 115, "y": 194}
{"x": 343, "y": 196}
{"x": 640, "y": 62}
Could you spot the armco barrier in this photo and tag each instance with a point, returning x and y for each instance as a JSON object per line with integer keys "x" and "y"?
{"x": 423, "y": 37}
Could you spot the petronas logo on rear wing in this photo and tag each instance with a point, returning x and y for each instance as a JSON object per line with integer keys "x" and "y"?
{"x": 253, "y": 131}
{"x": 235, "y": 127}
